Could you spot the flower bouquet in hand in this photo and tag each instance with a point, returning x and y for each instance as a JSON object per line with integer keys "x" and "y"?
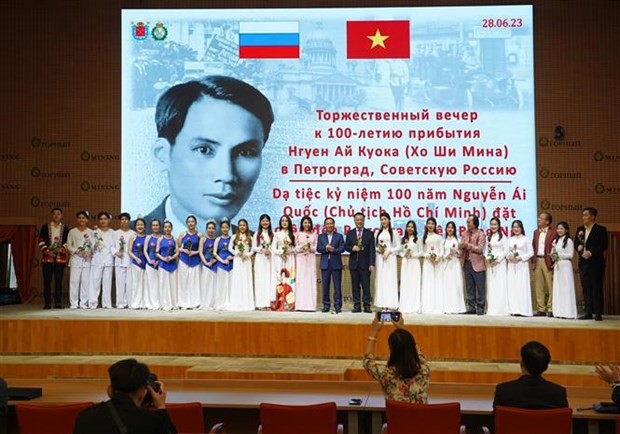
{"x": 265, "y": 245}
{"x": 407, "y": 249}
{"x": 240, "y": 247}
{"x": 433, "y": 256}
{"x": 581, "y": 241}
{"x": 491, "y": 258}
{"x": 121, "y": 244}
{"x": 514, "y": 253}
{"x": 555, "y": 257}
{"x": 99, "y": 243}
{"x": 360, "y": 244}
{"x": 381, "y": 248}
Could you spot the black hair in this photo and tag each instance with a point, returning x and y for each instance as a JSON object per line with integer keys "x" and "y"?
{"x": 291, "y": 234}
{"x": 385, "y": 214}
{"x": 191, "y": 217}
{"x": 518, "y": 223}
{"x": 404, "y": 357}
{"x": 548, "y": 216}
{"x": 140, "y": 219}
{"x": 260, "y": 229}
{"x": 359, "y": 213}
{"x": 454, "y": 226}
{"x": 248, "y": 233}
{"x": 592, "y": 211}
{"x": 56, "y": 209}
{"x": 128, "y": 375}
{"x": 476, "y": 220}
{"x": 499, "y": 229}
{"x": 174, "y": 104}
{"x": 301, "y": 223}
{"x": 566, "y": 235}
{"x": 430, "y": 219}
{"x": 329, "y": 218}
{"x": 535, "y": 357}
{"x": 104, "y": 214}
{"x": 169, "y": 222}
{"x": 124, "y": 215}
{"x": 415, "y": 232}
{"x": 82, "y": 213}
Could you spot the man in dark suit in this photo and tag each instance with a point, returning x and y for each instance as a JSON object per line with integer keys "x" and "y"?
{"x": 542, "y": 264}
{"x": 591, "y": 243}
{"x": 531, "y": 390}
{"x": 360, "y": 243}
{"x": 331, "y": 245}
{"x": 127, "y": 390}
{"x": 52, "y": 240}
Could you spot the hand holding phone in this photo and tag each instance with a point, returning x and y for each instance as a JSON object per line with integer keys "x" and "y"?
{"x": 387, "y": 316}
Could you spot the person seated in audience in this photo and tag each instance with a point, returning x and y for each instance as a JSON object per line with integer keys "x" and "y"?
{"x": 126, "y": 407}
{"x": 531, "y": 390}
{"x": 406, "y": 376}
{"x": 611, "y": 375}
{"x": 4, "y": 408}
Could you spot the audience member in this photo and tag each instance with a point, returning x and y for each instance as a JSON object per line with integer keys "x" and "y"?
{"x": 611, "y": 375}
{"x": 124, "y": 412}
{"x": 531, "y": 390}
{"x": 406, "y": 376}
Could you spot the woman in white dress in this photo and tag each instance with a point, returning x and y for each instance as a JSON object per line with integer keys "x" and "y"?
{"x": 410, "y": 270}
{"x": 520, "y": 251}
{"x": 264, "y": 282}
{"x": 305, "y": 252}
{"x": 189, "y": 266}
{"x": 452, "y": 274}
{"x": 208, "y": 275}
{"x": 387, "y": 247}
{"x": 564, "y": 298}
{"x": 151, "y": 276}
{"x": 241, "y": 296}
{"x": 167, "y": 253}
{"x": 224, "y": 266}
{"x": 138, "y": 264}
{"x": 79, "y": 244}
{"x": 282, "y": 249}
{"x": 495, "y": 255}
{"x": 102, "y": 263}
{"x": 432, "y": 294}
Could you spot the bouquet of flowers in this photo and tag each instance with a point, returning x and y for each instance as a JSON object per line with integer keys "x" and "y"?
{"x": 55, "y": 246}
{"x": 433, "y": 255}
{"x": 264, "y": 244}
{"x": 382, "y": 248}
{"x": 514, "y": 252}
{"x": 581, "y": 241}
{"x": 360, "y": 244}
{"x": 188, "y": 245}
{"x": 86, "y": 246}
{"x": 407, "y": 248}
{"x": 121, "y": 244}
{"x": 491, "y": 258}
{"x": 98, "y": 242}
{"x": 454, "y": 251}
{"x": 555, "y": 257}
{"x": 240, "y": 247}
{"x": 306, "y": 247}
{"x": 285, "y": 251}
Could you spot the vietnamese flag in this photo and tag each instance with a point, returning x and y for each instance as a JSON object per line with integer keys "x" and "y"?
{"x": 378, "y": 40}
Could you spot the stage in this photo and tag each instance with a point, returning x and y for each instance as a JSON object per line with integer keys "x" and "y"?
{"x": 184, "y": 344}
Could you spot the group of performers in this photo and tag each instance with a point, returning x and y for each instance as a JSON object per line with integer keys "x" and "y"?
{"x": 472, "y": 273}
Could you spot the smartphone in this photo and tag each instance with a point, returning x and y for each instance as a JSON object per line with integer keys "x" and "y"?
{"x": 387, "y": 316}
{"x": 355, "y": 401}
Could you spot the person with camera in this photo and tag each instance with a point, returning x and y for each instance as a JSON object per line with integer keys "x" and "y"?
{"x": 133, "y": 392}
{"x": 406, "y": 376}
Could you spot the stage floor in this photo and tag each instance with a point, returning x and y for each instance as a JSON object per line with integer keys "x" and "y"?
{"x": 31, "y": 312}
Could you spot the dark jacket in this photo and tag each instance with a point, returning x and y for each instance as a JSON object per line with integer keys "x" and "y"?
{"x": 98, "y": 419}
{"x": 531, "y": 392}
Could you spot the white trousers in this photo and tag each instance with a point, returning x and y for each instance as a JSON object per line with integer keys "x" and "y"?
{"x": 137, "y": 287}
{"x": 79, "y": 286}
{"x": 100, "y": 277}
{"x": 123, "y": 286}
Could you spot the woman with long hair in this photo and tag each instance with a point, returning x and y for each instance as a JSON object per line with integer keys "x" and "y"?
{"x": 282, "y": 249}
{"x": 138, "y": 264}
{"x": 410, "y": 270}
{"x": 224, "y": 266}
{"x": 386, "y": 278}
{"x": 189, "y": 265}
{"x": 241, "y": 296}
{"x": 564, "y": 298}
{"x": 520, "y": 251}
{"x": 495, "y": 253}
{"x": 452, "y": 273}
{"x": 405, "y": 378}
{"x": 208, "y": 274}
{"x": 264, "y": 282}
{"x": 167, "y": 253}
{"x": 151, "y": 277}
{"x": 305, "y": 250}
{"x": 432, "y": 294}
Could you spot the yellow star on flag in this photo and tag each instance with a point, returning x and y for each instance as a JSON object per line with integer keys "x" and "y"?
{"x": 378, "y": 40}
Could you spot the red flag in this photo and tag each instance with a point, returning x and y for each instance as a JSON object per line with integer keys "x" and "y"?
{"x": 378, "y": 40}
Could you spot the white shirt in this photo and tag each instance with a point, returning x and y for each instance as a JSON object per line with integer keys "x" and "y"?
{"x": 542, "y": 236}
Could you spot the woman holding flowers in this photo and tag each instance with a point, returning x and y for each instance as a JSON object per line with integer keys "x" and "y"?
{"x": 410, "y": 270}
{"x": 189, "y": 266}
{"x": 520, "y": 251}
{"x": 305, "y": 249}
{"x": 387, "y": 245}
{"x": 432, "y": 294}
{"x": 79, "y": 244}
{"x": 564, "y": 298}
{"x": 208, "y": 275}
{"x": 495, "y": 256}
{"x": 138, "y": 263}
{"x": 167, "y": 253}
{"x": 224, "y": 266}
{"x": 264, "y": 282}
{"x": 241, "y": 296}
{"x": 453, "y": 294}
{"x": 282, "y": 249}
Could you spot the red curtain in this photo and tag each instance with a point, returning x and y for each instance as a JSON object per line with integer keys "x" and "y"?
{"x": 23, "y": 243}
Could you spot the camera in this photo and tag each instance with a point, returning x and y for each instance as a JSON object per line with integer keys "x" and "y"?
{"x": 151, "y": 381}
{"x": 386, "y": 316}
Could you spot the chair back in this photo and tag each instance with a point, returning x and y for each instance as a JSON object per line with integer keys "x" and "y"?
{"x": 510, "y": 420}
{"x": 48, "y": 419}
{"x": 406, "y": 418}
{"x": 187, "y": 417}
{"x": 617, "y": 424}
{"x": 299, "y": 419}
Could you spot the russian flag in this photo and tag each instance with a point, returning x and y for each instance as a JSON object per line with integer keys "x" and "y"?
{"x": 269, "y": 40}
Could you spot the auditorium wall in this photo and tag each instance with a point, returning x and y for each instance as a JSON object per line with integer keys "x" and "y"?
{"x": 61, "y": 97}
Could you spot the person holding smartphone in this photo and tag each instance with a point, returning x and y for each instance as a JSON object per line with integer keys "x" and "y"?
{"x": 406, "y": 376}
